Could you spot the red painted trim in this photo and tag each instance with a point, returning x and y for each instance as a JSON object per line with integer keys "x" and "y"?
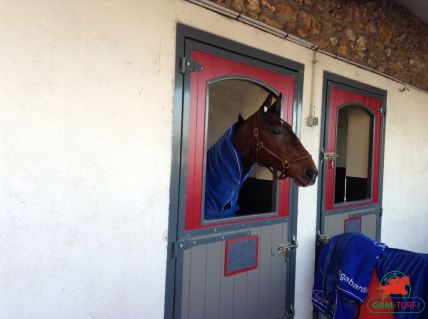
{"x": 226, "y": 255}
{"x": 346, "y": 221}
{"x": 339, "y": 98}
{"x": 215, "y": 67}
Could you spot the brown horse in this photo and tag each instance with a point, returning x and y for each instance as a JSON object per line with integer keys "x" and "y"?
{"x": 264, "y": 138}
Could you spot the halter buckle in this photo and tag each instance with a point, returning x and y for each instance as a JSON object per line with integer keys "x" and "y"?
{"x": 285, "y": 164}
{"x": 256, "y": 132}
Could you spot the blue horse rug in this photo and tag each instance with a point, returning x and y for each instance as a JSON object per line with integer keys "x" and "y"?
{"x": 412, "y": 302}
{"x": 343, "y": 274}
{"x": 223, "y": 178}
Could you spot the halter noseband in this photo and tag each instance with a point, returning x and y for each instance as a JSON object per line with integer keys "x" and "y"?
{"x": 285, "y": 164}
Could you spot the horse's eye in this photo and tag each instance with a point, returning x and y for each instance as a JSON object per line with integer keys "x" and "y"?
{"x": 276, "y": 131}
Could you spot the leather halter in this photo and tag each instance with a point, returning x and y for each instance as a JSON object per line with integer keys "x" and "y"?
{"x": 285, "y": 164}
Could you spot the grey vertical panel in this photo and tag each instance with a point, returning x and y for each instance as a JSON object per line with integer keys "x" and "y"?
{"x": 186, "y": 285}
{"x": 368, "y": 225}
{"x": 255, "y": 294}
{"x": 226, "y": 291}
{"x": 240, "y": 295}
{"x": 197, "y": 282}
{"x": 214, "y": 271}
{"x": 265, "y": 261}
{"x": 252, "y": 309}
{"x": 276, "y": 284}
{"x": 334, "y": 223}
{"x": 283, "y": 293}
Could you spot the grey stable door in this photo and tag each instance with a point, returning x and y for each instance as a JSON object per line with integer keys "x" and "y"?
{"x": 241, "y": 266}
{"x": 351, "y": 158}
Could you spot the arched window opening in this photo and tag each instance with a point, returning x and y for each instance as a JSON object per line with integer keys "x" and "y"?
{"x": 227, "y": 99}
{"x": 354, "y": 142}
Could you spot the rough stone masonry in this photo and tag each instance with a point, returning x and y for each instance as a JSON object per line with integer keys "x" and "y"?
{"x": 377, "y": 33}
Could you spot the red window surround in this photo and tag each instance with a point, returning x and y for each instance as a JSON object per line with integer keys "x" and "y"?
{"x": 216, "y": 67}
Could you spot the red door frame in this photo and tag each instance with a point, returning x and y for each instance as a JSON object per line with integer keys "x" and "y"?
{"x": 215, "y": 67}
{"x": 338, "y": 98}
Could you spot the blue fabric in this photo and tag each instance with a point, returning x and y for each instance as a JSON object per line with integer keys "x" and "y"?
{"x": 343, "y": 274}
{"x": 413, "y": 265}
{"x": 224, "y": 177}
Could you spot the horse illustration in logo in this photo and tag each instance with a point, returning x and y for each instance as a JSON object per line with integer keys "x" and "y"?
{"x": 395, "y": 286}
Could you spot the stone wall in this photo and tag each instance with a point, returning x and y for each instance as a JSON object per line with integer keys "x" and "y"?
{"x": 379, "y": 34}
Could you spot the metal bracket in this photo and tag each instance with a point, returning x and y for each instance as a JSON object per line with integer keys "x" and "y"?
{"x": 176, "y": 246}
{"x": 285, "y": 249}
{"x": 188, "y": 65}
{"x": 382, "y": 110}
{"x": 329, "y": 156}
{"x": 323, "y": 239}
{"x": 291, "y": 312}
{"x": 182, "y": 245}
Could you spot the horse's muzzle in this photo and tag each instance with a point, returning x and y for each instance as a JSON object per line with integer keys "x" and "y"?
{"x": 311, "y": 175}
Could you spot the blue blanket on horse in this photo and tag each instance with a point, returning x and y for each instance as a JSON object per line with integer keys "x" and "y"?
{"x": 343, "y": 274}
{"x": 398, "y": 262}
{"x": 224, "y": 177}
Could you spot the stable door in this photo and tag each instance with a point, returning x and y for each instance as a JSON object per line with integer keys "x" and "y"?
{"x": 351, "y": 158}
{"x": 239, "y": 266}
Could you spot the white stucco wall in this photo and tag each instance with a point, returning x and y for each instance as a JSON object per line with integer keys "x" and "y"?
{"x": 86, "y": 91}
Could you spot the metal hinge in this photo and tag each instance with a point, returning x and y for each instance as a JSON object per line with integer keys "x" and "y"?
{"x": 188, "y": 65}
{"x": 173, "y": 249}
{"x": 382, "y": 110}
{"x": 291, "y": 312}
{"x": 323, "y": 239}
{"x": 285, "y": 249}
{"x": 175, "y": 246}
{"x": 380, "y": 212}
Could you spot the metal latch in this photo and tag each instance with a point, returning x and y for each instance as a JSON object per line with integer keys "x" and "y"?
{"x": 330, "y": 157}
{"x": 323, "y": 239}
{"x": 285, "y": 249}
{"x": 188, "y": 65}
{"x": 382, "y": 110}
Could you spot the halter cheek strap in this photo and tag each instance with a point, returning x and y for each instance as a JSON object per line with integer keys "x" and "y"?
{"x": 285, "y": 164}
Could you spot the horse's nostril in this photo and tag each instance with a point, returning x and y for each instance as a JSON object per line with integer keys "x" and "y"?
{"x": 311, "y": 174}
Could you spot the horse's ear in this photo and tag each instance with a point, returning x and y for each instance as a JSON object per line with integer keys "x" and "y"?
{"x": 277, "y": 105}
{"x": 240, "y": 119}
{"x": 267, "y": 103}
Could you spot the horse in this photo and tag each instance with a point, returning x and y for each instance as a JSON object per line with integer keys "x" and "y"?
{"x": 264, "y": 138}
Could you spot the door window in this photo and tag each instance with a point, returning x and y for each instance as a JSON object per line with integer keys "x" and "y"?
{"x": 354, "y": 154}
{"x": 229, "y": 99}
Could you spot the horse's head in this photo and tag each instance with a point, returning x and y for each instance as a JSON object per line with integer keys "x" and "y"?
{"x": 273, "y": 144}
